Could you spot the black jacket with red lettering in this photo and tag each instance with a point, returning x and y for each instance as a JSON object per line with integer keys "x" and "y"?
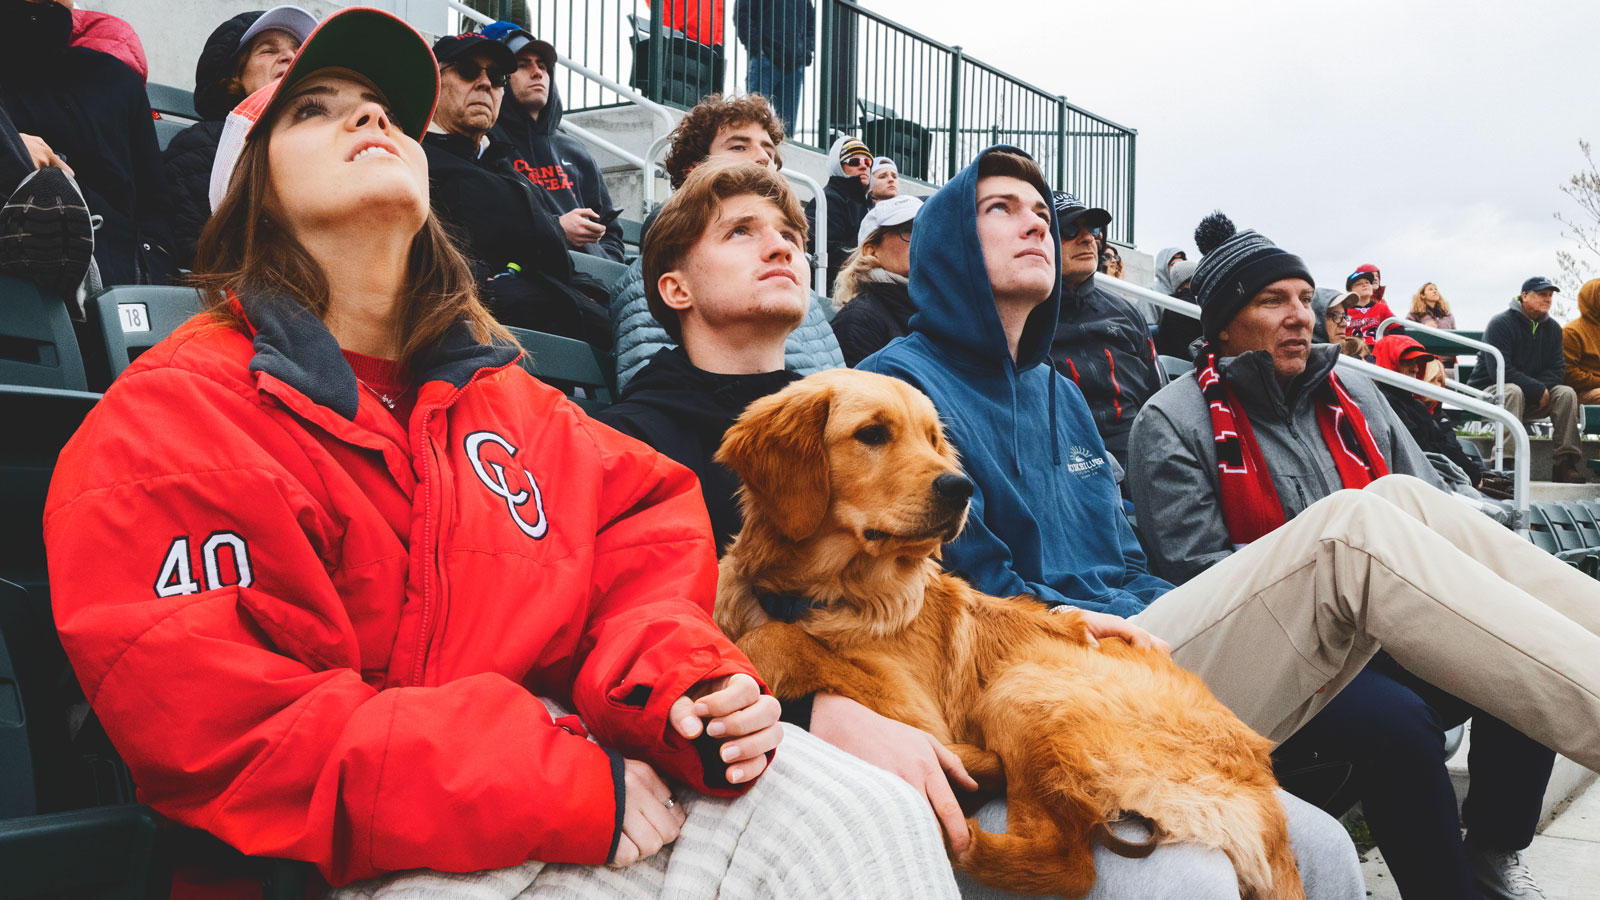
{"x": 559, "y": 166}
{"x": 1102, "y": 344}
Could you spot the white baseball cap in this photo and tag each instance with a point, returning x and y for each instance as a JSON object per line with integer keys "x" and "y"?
{"x": 291, "y": 19}
{"x": 887, "y": 214}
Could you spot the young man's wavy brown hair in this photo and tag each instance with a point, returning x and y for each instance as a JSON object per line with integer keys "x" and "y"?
{"x": 691, "y": 140}
{"x": 692, "y": 209}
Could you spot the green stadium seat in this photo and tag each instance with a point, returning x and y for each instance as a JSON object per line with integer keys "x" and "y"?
{"x": 1175, "y": 367}
{"x": 1540, "y": 531}
{"x": 1591, "y": 420}
{"x": 173, "y": 101}
{"x": 606, "y": 271}
{"x": 135, "y": 318}
{"x": 1584, "y": 516}
{"x": 632, "y": 234}
{"x": 37, "y": 345}
{"x": 568, "y": 365}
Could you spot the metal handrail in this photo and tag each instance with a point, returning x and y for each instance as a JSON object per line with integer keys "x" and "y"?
{"x": 1520, "y": 479}
{"x": 1499, "y": 371}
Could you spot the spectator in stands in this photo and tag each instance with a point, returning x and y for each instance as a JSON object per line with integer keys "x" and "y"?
{"x": 849, "y": 167}
{"x": 1100, "y": 341}
{"x": 1430, "y": 309}
{"x": 735, "y": 128}
{"x": 1535, "y": 372}
{"x": 108, "y": 34}
{"x": 1580, "y": 345}
{"x": 560, "y": 166}
{"x": 873, "y": 292}
{"x": 1265, "y": 432}
{"x": 730, "y": 297}
{"x": 1111, "y": 262}
{"x": 241, "y": 55}
{"x": 1280, "y": 627}
{"x": 336, "y": 443}
{"x": 90, "y": 110}
{"x": 883, "y": 180}
{"x": 1165, "y": 260}
{"x": 1331, "y": 318}
{"x": 779, "y": 36}
{"x": 1368, "y": 310}
{"x": 516, "y": 246}
{"x": 1424, "y": 419}
{"x": 1164, "y": 284}
{"x": 1177, "y": 335}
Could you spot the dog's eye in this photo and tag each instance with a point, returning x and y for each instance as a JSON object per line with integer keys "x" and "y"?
{"x": 872, "y": 435}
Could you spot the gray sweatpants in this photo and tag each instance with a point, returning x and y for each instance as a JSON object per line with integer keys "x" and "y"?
{"x": 1328, "y": 864}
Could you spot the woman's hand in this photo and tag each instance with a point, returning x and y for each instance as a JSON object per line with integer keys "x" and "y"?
{"x": 650, "y": 818}
{"x": 912, "y": 754}
{"x": 743, "y": 718}
{"x": 42, "y": 155}
{"x": 1105, "y": 625}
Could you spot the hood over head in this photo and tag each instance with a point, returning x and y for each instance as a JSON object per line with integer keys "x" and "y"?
{"x": 1321, "y": 300}
{"x": 844, "y": 145}
{"x": 1589, "y": 301}
{"x": 950, "y": 283}
{"x": 1164, "y": 282}
{"x": 213, "y": 70}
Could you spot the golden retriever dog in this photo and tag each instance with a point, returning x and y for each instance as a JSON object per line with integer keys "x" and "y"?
{"x": 849, "y": 491}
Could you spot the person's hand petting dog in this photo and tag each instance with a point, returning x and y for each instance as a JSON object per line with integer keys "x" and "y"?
{"x": 910, "y": 753}
{"x": 650, "y": 818}
{"x": 1105, "y": 625}
{"x": 743, "y": 718}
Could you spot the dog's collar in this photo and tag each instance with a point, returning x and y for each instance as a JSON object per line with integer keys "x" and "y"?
{"x": 786, "y": 607}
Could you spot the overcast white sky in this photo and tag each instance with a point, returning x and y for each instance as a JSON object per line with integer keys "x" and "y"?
{"x": 1429, "y": 138}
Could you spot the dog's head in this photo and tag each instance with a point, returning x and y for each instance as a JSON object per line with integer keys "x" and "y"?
{"x": 849, "y": 456}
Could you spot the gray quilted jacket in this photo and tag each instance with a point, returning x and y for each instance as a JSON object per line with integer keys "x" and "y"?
{"x": 636, "y": 335}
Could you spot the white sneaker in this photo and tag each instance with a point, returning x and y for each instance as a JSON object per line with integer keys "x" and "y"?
{"x": 1502, "y": 875}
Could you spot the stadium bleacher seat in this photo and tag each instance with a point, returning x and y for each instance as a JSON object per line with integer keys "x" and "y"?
{"x": 37, "y": 344}
{"x": 902, "y": 140}
{"x": 1175, "y": 367}
{"x": 174, "y": 108}
{"x": 567, "y": 364}
{"x": 690, "y": 71}
{"x": 134, "y": 318}
{"x": 604, "y": 270}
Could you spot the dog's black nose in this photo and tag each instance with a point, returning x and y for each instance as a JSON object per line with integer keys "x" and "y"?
{"x": 953, "y": 488}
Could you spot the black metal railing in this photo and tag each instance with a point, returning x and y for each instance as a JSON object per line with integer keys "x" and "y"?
{"x": 927, "y": 105}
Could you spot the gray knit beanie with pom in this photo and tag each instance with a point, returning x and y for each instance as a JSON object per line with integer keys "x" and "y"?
{"x": 1235, "y": 266}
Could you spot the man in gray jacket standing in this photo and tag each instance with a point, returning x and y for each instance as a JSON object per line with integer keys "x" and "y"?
{"x": 1262, "y": 430}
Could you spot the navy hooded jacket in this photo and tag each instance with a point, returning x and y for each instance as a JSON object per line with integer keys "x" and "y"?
{"x": 1046, "y": 518}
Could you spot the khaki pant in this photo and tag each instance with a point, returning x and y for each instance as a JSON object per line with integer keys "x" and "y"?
{"x": 1281, "y": 626}
{"x": 1561, "y": 405}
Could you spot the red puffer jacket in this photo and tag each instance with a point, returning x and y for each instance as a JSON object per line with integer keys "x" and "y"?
{"x": 319, "y": 637}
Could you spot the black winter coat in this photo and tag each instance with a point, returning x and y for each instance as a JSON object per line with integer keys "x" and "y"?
{"x": 91, "y": 109}
{"x": 1534, "y": 361}
{"x": 1431, "y": 428}
{"x": 847, "y": 206}
{"x": 560, "y": 167}
{"x": 783, "y": 31}
{"x": 499, "y": 221}
{"x": 683, "y": 412}
{"x": 1101, "y": 343}
{"x": 189, "y": 156}
{"x": 879, "y": 313}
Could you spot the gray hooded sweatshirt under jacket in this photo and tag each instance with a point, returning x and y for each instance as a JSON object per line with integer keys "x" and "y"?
{"x": 1172, "y": 466}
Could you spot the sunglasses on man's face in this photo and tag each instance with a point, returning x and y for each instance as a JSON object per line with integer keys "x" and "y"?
{"x": 1072, "y": 235}
{"x": 469, "y": 71}
{"x": 858, "y": 161}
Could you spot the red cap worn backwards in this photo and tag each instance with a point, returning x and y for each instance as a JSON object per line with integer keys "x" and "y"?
{"x": 369, "y": 42}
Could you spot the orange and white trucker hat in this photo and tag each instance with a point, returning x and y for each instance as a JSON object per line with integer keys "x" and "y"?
{"x": 369, "y": 42}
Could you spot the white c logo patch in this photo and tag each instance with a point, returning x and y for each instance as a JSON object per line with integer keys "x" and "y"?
{"x": 501, "y": 487}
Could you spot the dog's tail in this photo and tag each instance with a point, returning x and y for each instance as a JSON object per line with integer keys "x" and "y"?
{"x": 1285, "y": 881}
{"x": 1033, "y": 856}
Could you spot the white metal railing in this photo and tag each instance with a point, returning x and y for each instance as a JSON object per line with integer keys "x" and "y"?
{"x": 647, "y": 165}
{"x": 1491, "y": 411}
{"x": 1499, "y": 371}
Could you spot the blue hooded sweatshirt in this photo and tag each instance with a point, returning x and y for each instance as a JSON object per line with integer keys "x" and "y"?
{"x": 1046, "y": 518}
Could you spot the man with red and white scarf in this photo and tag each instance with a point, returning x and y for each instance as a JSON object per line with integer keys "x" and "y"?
{"x": 1262, "y": 430}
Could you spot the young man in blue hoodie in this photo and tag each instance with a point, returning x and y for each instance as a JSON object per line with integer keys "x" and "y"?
{"x": 1278, "y": 628}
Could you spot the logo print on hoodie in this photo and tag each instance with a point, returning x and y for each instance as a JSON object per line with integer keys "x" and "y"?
{"x": 1083, "y": 462}
{"x": 500, "y": 483}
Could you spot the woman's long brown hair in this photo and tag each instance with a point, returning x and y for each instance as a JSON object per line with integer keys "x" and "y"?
{"x": 241, "y": 250}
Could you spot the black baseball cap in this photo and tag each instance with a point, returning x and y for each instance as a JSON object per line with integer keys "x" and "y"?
{"x": 1538, "y": 283}
{"x": 1070, "y": 209}
{"x": 453, "y": 47}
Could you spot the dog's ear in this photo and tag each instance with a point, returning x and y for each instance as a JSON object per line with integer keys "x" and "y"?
{"x": 778, "y": 450}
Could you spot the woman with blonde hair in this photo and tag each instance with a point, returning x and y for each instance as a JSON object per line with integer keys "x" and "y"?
{"x": 1431, "y": 309}
{"x": 874, "y": 287}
